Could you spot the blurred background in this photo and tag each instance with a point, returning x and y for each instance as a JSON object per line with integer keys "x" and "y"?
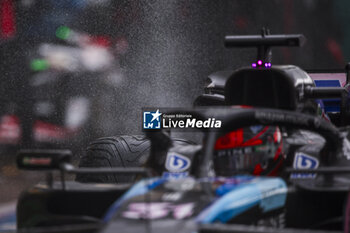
{"x": 75, "y": 70}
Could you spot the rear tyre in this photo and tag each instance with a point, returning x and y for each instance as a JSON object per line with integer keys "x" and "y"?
{"x": 117, "y": 151}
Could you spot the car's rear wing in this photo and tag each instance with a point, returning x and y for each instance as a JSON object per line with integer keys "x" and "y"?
{"x": 264, "y": 42}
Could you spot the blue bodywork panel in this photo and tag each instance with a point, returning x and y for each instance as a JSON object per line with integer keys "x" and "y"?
{"x": 267, "y": 193}
{"x": 329, "y": 105}
{"x": 233, "y": 196}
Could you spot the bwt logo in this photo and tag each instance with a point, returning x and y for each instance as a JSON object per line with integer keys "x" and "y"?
{"x": 177, "y": 163}
{"x": 151, "y": 120}
{"x": 304, "y": 161}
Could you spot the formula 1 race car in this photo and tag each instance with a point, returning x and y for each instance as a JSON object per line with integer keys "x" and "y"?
{"x": 221, "y": 188}
{"x": 259, "y": 85}
{"x": 218, "y": 189}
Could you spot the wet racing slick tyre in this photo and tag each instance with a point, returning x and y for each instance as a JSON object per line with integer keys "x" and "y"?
{"x": 116, "y": 151}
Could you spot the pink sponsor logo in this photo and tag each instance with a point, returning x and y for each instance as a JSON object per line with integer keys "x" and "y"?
{"x": 158, "y": 210}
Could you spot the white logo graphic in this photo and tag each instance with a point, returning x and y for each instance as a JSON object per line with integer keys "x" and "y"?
{"x": 156, "y": 115}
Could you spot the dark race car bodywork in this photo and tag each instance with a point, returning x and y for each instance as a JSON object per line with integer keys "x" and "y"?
{"x": 248, "y": 86}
